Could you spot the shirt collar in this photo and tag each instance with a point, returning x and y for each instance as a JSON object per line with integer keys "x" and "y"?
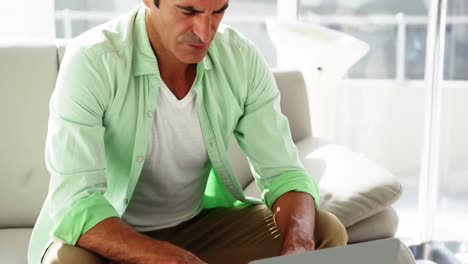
{"x": 144, "y": 60}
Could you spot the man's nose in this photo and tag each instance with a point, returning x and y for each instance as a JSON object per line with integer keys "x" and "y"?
{"x": 202, "y": 28}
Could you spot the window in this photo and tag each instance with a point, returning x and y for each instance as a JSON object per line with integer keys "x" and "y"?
{"x": 75, "y": 17}
{"x": 247, "y": 16}
{"x": 381, "y": 105}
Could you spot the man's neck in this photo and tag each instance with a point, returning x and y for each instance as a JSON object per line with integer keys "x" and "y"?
{"x": 170, "y": 67}
{"x": 178, "y": 78}
{"x": 177, "y": 75}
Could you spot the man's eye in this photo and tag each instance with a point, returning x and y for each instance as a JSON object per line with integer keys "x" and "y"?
{"x": 188, "y": 13}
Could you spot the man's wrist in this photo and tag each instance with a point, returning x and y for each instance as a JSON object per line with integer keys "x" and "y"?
{"x": 294, "y": 214}
{"x": 297, "y": 237}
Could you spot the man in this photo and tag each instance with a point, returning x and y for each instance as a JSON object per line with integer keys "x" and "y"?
{"x": 137, "y": 148}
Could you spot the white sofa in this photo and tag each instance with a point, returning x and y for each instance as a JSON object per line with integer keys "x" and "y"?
{"x": 357, "y": 190}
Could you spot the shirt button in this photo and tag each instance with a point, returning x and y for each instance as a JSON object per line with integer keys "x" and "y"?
{"x": 140, "y": 159}
{"x": 156, "y": 81}
{"x": 125, "y": 201}
{"x": 150, "y": 114}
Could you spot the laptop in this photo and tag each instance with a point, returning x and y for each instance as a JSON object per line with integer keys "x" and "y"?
{"x": 383, "y": 251}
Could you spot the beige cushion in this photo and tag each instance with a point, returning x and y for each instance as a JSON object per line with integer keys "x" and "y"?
{"x": 61, "y": 45}
{"x": 352, "y": 187}
{"x": 406, "y": 256}
{"x": 383, "y": 224}
{"x": 294, "y": 104}
{"x": 14, "y": 245}
{"x": 30, "y": 71}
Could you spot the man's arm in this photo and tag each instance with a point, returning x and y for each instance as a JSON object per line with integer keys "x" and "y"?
{"x": 115, "y": 240}
{"x": 294, "y": 215}
{"x": 264, "y": 135}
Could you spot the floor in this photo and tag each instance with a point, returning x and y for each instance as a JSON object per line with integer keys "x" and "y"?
{"x": 447, "y": 252}
{"x": 450, "y": 244}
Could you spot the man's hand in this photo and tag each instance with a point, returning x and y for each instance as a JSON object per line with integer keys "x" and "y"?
{"x": 294, "y": 215}
{"x": 297, "y": 242}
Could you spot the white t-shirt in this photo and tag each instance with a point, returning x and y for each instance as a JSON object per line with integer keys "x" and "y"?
{"x": 174, "y": 176}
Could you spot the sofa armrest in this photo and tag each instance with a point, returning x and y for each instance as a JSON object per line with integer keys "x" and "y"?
{"x": 383, "y": 224}
{"x": 352, "y": 187}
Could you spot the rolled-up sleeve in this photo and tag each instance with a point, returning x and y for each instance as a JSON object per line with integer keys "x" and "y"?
{"x": 75, "y": 153}
{"x": 264, "y": 135}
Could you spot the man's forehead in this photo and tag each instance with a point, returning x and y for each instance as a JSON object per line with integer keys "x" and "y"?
{"x": 202, "y": 5}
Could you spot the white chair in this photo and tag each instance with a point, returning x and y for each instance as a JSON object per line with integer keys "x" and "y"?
{"x": 324, "y": 56}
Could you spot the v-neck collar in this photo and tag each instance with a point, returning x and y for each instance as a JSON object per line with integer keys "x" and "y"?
{"x": 188, "y": 98}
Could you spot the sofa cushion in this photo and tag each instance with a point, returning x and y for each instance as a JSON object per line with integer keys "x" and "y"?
{"x": 14, "y": 245}
{"x": 352, "y": 187}
{"x": 383, "y": 224}
{"x": 30, "y": 71}
{"x": 294, "y": 103}
{"x": 61, "y": 45}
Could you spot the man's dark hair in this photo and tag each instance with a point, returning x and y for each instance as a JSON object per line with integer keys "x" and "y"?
{"x": 156, "y": 3}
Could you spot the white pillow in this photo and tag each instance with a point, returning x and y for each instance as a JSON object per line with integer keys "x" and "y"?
{"x": 352, "y": 187}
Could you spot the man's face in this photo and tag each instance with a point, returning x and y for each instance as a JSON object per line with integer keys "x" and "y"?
{"x": 186, "y": 28}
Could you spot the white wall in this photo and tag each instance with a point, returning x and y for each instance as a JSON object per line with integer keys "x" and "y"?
{"x": 27, "y": 19}
{"x": 123, "y": 6}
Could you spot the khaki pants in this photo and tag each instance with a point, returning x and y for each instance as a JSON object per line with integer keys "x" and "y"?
{"x": 221, "y": 235}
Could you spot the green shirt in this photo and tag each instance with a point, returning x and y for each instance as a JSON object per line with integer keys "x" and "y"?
{"x": 101, "y": 114}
